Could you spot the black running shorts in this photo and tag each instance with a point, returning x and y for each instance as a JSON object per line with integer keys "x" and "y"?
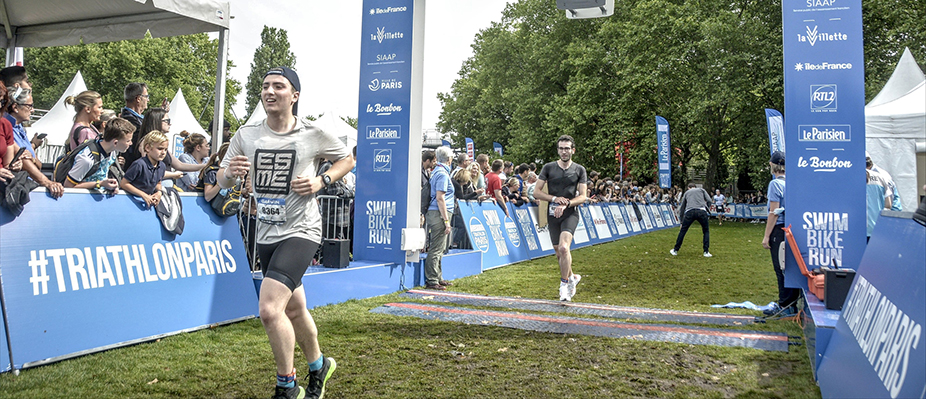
{"x": 568, "y": 223}
{"x": 287, "y": 260}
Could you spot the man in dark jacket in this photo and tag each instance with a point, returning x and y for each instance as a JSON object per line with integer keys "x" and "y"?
{"x": 694, "y": 207}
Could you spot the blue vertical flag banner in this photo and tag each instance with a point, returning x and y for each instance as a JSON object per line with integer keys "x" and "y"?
{"x": 470, "y": 148}
{"x": 498, "y": 148}
{"x": 825, "y": 130}
{"x": 776, "y": 130}
{"x": 384, "y": 121}
{"x": 664, "y": 152}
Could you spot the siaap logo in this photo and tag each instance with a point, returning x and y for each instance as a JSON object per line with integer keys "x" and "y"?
{"x": 382, "y": 160}
{"x": 823, "y": 98}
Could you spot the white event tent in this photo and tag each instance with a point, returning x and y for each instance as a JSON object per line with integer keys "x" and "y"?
{"x": 895, "y": 127}
{"x": 57, "y": 122}
{"x": 48, "y": 23}
{"x": 181, "y": 118}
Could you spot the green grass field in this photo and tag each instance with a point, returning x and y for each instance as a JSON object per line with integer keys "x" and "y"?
{"x": 381, "y": 356}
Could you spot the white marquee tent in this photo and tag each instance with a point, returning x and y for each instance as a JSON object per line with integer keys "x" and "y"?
{"x": 895, "y": 126}
{"x": 57, "y": 122}
{"x": 181, "y": 118}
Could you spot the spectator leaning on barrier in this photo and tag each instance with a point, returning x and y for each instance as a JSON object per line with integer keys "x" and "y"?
{"x": 195, "y": 152}
{"x": 494, "y": 185}
{"x": 19, "y": 109}
{"x": 286, "y": 151}
{"x": 143, "y": 177}
{"x": 483, "y": 161}
{"x": 438, "y": 219}
{"x": 693, "y": 208}
{"x": 116, "y": 138}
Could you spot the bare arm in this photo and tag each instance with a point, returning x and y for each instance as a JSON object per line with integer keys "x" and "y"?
{"x": 770, "y": 223}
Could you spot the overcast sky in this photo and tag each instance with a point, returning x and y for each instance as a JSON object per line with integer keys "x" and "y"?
{"x": 325, "y": 37}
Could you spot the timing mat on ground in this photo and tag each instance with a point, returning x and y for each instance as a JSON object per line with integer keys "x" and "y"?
{"x": 586, "y": 309}
{"x": 769, "y": 341}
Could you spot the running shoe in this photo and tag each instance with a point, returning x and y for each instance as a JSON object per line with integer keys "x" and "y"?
{"x": 295, "y": 392}
{"x": 317, "y": 379}
{"x": 573, "y": 282}
{"x": 673, "y": 252}
{"x": 707, "y": 255}
{"x": 564, "y": 291}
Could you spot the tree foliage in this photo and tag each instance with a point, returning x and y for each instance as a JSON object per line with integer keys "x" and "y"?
{"x": 164, "y": 64}
{"x": 710, "y": 67}
{"x": 273, "y": 52}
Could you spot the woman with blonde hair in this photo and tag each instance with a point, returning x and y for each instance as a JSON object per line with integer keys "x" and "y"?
{"x": 88, "y": 106}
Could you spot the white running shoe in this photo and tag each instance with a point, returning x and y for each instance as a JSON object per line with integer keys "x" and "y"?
{"x": 707, "y": 255}
{"x": 673, "y": 252}
{"x": 573, "y": 282}
{"x": 564, "y": 291}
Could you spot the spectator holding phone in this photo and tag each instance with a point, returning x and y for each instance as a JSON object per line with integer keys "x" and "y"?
{"x": 18, "y": 108}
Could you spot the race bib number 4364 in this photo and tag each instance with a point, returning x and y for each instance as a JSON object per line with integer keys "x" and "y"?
{"x": 273, "y": 171}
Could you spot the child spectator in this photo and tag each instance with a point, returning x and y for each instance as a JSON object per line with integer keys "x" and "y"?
{"x": 195, "y": 151}
{"x": 116, "y": 138}
{"x": 143, "y": 178}
{"x": 510, "y": 191}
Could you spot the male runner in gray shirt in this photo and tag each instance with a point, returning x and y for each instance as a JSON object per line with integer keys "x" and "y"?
{"x": 694, "y": 207}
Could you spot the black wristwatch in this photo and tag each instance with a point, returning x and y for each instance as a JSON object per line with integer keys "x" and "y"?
{"x": 326, "y": 179}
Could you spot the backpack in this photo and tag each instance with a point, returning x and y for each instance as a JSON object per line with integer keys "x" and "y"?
{"x": 65, "y": 163}
{"x": 425, "y": 197}
{"x": 74, "y": 134}
{"x": 228, "y": 201}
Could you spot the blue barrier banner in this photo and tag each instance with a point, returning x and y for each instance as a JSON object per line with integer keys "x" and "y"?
{"x": 824, "y": 91}
{"x": 543, "y": 233}
{"x": 581, "y": 238}
{"x": 632, "y": 216}
{"x": 89, "y": 271}
{"x": 496, "y": 236}
{"x": 383, "y": 141}
{"x": 646, "y": 219}
{"x": 586, "y": 214}
{"x": 601, "y": 222}
{"x": 879, "y": 347}
{"x": 620, "y": 220}
{"x": 523, "y": 216}
{"x": 776, "y": 130}
{"x": 667, "y": 215}
{"x": 657, "y": 216}
{"x": 664, "y": 152}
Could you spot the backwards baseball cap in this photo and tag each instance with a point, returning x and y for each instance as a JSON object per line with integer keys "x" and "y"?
{"x": 778, "y": 158}
{"x": 291, "y": 76}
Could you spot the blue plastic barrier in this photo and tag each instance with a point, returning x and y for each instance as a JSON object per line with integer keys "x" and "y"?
{"x": 878, "y": 349}
{"x": 90, "y": 272}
